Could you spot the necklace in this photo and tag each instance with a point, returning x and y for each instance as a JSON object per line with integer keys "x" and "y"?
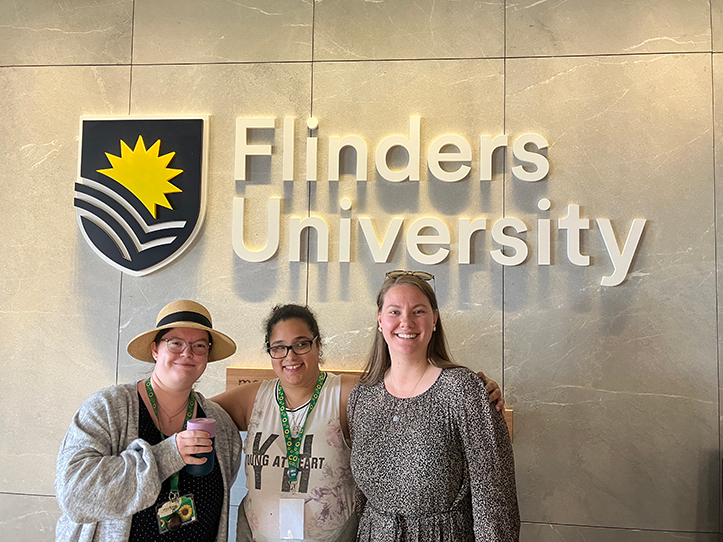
{"x": 411, "y": 392}
{"x": 169, "y": 416}
{"x": 297, "y": 418}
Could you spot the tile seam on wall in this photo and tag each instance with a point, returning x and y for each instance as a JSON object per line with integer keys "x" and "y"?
{"x": 15, "y": 493}
{"x": 346, "y": 61}
{"x": 606, "y": 527}
{"x": 715, "y": 259}
{"x": 308, "y": 132}
{"x": 120, "y": 305}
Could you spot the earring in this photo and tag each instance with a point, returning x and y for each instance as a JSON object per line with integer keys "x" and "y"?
{"x": 434, "y": 328}
{"x": 380, "y": 329}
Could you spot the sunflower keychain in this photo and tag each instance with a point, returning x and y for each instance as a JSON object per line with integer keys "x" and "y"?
{"x": 174, "y": 514}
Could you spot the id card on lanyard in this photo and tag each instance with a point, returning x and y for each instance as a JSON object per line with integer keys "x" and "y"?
{"x": 291, "y": 519}
{"x": 291, "y": 511}
{"x": 178, "y": 510}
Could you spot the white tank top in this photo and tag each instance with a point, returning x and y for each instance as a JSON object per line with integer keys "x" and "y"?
{"x": 325, "y": 481}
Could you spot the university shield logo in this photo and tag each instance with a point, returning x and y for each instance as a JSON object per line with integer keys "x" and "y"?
{"x": 140, "y": 197}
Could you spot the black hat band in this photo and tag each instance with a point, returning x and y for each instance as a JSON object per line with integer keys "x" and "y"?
{"x": 185, "y": 316}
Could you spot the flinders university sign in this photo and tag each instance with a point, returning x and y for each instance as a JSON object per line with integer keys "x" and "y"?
{"x": 140, "y": 196}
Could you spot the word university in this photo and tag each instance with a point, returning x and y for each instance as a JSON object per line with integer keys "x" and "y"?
{"x": 432, "y": 233}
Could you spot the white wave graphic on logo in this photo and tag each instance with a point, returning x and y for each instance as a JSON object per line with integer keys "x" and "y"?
{"x": 120, "y": 221}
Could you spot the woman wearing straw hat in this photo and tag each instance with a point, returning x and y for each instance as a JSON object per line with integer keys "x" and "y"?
{"x": 120, "y": 471}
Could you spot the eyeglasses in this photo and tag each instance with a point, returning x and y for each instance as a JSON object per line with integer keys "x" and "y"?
{"x": 401, "y": 272}
{"x": 280, "y": 351}
{"x": 176, "y": 346}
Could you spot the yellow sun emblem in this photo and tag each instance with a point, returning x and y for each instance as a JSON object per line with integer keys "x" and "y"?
{"x": 144, "y": 173}
{"x": 185, "y": 512}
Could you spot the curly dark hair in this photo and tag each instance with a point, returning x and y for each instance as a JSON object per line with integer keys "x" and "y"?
{"x": 281, "y": 313}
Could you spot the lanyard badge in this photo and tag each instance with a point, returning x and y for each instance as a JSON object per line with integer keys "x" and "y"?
{"x": 293, "y": 445}
{"x": 291, "y": 511}
{"x": 291, "y": 519}
{"x": 172, "y": 515}
{"x": 178, "y": 510}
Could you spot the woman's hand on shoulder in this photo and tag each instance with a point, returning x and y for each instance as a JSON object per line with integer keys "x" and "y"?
{"x": 193, "y": 442}
{"x": 494, "y": 391}
{"x": 239, "y": 403}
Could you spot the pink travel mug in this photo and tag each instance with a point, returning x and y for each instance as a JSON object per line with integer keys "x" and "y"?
{"x": 208, "y": 425}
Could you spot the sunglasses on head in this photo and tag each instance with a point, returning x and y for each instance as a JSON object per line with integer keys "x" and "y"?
{"x": 401, "y": 272}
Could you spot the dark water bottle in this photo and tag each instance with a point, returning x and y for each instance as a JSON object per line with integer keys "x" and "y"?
{"x": 208, "y": 425}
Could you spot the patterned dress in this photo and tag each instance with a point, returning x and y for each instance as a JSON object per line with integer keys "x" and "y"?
{"x": 435, "y": 467}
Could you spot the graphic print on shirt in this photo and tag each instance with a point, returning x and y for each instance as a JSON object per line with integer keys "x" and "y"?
{"x": 260, "y": 459}
{"x": 325, "y": 473}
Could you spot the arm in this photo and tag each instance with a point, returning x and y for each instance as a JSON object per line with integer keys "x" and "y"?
{"x": 227, "y": 436}
{"x": 490, "y": 462}
{"x": 494, "y": 392}
{"x": 98, "y": 477}
{"x": 239, "y": 403}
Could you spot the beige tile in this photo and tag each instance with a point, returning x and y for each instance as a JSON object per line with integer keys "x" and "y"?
{"x": 375, "y": 100}
{"x": 28, "y": 518}
{"x": 571, "y": 533}
{"x": 716, "y": 17}
{"x": 591, "y": 27}
{"x": 58, "y": 302}
{"x": 44, "y": 32}
{"x": 614, "y": 387}
{"x": 406, "y": 29}
{"x": 217, "y": 31}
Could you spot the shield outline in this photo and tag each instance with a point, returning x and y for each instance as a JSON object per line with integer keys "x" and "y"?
{"x": 205, "y": 118}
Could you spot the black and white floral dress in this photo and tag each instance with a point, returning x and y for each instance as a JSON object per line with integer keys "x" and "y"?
{"x": 435, "y": 467}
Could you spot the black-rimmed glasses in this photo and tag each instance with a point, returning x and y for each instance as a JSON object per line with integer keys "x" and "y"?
{"x": 176, "y": 346}
{"x": 280, "y": 351}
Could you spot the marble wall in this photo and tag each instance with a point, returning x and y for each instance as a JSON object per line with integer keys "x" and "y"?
{"x": 615, "y": 389}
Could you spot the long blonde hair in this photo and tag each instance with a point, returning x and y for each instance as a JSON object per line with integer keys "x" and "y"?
{"x": 379, "y": 359}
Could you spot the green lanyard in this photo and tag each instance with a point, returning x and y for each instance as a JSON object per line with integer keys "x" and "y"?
{"x": 189, "y": 414}
{"x": 292, "y": 447}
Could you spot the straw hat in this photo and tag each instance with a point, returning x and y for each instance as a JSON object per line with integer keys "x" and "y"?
{"x": 182, "y": 313}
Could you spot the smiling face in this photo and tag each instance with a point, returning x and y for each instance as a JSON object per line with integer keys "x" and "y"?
{"x": 295, "y": 370}
{"x": 179, "y": 371}
{"x": 407, "y": 321}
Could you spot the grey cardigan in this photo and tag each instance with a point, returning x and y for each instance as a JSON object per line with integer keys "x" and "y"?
{"x": 105, "y": 473}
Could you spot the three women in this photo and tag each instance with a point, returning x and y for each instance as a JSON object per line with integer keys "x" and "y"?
{"x": 298, "y": 459}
